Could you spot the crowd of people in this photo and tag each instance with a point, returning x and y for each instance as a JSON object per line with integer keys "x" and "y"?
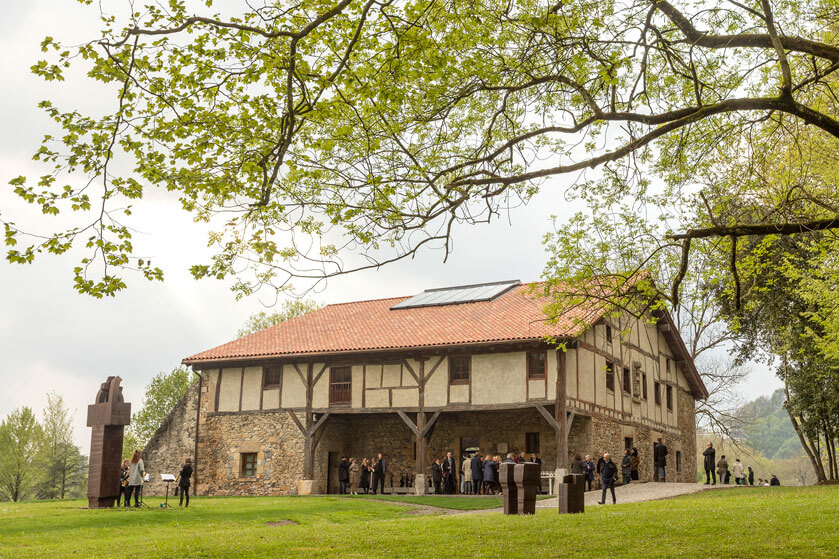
{"x": 133, "y": 473}
{"x": 367, "y": 476}
{"x": 743, "y": 475}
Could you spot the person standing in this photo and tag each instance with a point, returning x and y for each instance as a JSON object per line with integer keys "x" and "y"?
{"x": 660, "y": 459}
{"x": 355, "y": 476}
{"x": 477, "y": 473}
{"x": 365, "y": 475}
{"x": 184, "y": 481}
{"x": 536, "y": 459}
{"x": 123, "y": 482}
{"x": 437, "y": 476}
{"x": 489, "y": 475}
{"x": 751, "y": 475}
{"x": 449, "y": 474}
{"x": 136, "y": 471}
{"x": 636, "y": 463}
{"x": 379, "y": 471}
{"x": 343, "y": 475}
{"x": 710, "y": 455}
{"x": 722, "y": 470}
{"x": 738, "y": 471}
{"x": 589, "y": 471}
{"x": 577, "y": 465}
{"x": 626, "y": 467}
{"x": 466, "y": 476}
{"x": 608, "y": 476}
{"x": 774, "y": 482}
{"x": 600, "y": 462}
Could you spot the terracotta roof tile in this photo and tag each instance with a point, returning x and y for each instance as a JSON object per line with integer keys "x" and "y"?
{"x": 371, "y": 326}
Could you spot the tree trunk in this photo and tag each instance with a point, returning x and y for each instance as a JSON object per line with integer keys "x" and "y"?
{"x": 817, "y": 465}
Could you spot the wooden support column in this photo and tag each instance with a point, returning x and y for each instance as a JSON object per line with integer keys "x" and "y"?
{"x": 308, "y": 447}
{"x": 560, "y": 411}
{"x": 422, "y": 441}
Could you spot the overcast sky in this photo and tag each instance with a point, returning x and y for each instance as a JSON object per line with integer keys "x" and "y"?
{"x": 51, "y": 338}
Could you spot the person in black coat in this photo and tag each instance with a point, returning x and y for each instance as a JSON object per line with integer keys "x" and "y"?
{"x": 660, "y": 458}
{"x": 437, "y": 476}
{"x": 477, "y": 473}
{"x": 751, "y": 475}
{"x": 343, "y": 475}
{"x": 626, "y": 467}
{"x": 449, "y": 474}
{"x": 379, "y": 471}
{"x": 608, "y": 477}
{"x": 710, "y": 455}
{"x": 599, "y": 466}
{"x": 183, "y": 481}
{"x": 774, "y": 481}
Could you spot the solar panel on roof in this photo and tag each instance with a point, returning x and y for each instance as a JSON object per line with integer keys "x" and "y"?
{"x": 457, "y": 294}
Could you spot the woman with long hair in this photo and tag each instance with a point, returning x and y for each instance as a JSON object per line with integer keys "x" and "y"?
{"x": 183, "y": 481}
{"x": 364, "y": 482}
{"x": 136, "y": 471}
{"x": 636, "y": 463}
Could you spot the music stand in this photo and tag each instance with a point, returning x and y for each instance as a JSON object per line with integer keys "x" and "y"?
{"x": 140, "y": 489}
{"x": 168, "y": 478}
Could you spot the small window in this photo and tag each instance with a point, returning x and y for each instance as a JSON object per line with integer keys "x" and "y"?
{"x": 657, "y": 393}
{"x": 460, "y": 369}
{"x": 248, "y": 468}
{"x": 644, "y": 385}
{"x": 537, "y": 365}
{"x": 669, "y": 398}
{"x": 531, "y": 443}
{"x": 667, "y": 365}
{"x": 271, "y": 377}
{"x": 340, "y": 385}
{"x": 678, "y": 461}
{"x": 610, "y": 376}
{"x": 608, "y": 334}
{"x": 627, "y": 381}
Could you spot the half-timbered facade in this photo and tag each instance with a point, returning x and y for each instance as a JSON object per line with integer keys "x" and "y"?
{"x": 273, "y": 412}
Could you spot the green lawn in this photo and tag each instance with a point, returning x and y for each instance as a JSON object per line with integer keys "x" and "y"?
{"x": 443, "y": 501}
{"x": 761, "y": 522}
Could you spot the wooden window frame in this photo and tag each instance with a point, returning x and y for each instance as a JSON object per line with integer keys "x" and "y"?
{"x": 667, "y": 365}
{"x": 333, "y": 383}
{"x": 468, "y": 360}
{"x": 530, "y": 374}
{"x": 657, "y": 393}
{"x": 669, "y": 397}
{"x": 627, "y": 381}
{"x": 610, "y": 374}
{"x": 528, "y": 440}
{"x": 608, "y": 334}
{"x": 269, "y": 385}
{"x": 246, "y": 458}
{"x": 644, "y": 385}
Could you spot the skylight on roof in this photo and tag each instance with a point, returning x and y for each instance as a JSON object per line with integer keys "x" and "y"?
{"x": 457, "y": 295}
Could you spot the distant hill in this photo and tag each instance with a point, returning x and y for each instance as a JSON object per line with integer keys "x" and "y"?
{"x": 768, "y": 429}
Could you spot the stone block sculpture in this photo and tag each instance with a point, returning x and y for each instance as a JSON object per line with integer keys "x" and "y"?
{"x": 107, "y": 417}
{"x": 507, "y": 479}
{"x": 571, "y": 494}
{"x": 519, "y": 484}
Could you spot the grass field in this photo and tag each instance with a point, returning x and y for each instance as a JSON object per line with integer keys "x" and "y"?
{"x": 443, "y": 501}
{"x": 760, "y": 522}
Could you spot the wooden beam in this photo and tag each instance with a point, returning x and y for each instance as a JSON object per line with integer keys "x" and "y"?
{"x": 300, "y": 374}
{"x": 548, "y": 417}
{"x": 571, "y": 416}
{"x": 560, "y": 411}
{"x": 314, "y": 428}
{"x": 433, "y": 370}
{"x": 408, "y": 422}
{"x": 297, "y": 422}
{"x": 429, "y": 424}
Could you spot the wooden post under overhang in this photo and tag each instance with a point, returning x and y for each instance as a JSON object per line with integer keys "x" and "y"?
{"x": 560, "y": 411}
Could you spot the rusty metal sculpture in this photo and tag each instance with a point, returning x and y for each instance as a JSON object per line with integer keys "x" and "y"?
{"x": 108, "y": 418}
{"x": 519, "y": 484}
{"x": 571, "y": 494}
{"x": 507, "y": 479}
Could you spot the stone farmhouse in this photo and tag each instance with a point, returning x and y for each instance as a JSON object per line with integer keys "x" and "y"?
{"x": 414, "y": 377}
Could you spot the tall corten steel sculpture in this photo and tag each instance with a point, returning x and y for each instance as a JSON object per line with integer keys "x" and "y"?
{"x": 108, "y": 418}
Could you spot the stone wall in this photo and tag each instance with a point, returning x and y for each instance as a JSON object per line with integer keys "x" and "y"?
{"x": 172, "y": 443}
{"x": 687, "y": 427}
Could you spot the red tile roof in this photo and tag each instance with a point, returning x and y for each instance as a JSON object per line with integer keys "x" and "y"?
{"x": 371, "y": 326}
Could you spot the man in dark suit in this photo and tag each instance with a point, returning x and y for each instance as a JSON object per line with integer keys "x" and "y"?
{"x": 660, "y": 459}
{"x": 608, "y": 476}
{"x": 449, "y": 473}
{"x": 379, "y": 471}
{"x": 710, "y": 455}
{"x": 436, "y": 476}
{"x": 343, "y": 475}
{"x": 477, "y": 473}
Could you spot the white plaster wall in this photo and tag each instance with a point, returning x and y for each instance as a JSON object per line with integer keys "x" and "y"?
{"x": 378, "y": 398}
{"x": 459, "y": 393}
{"x": 294, "y": 391}
{"x": 271, "y": 399}
{"x": 436, "y": 388}
{"x": 498, "y": 378}
{"x": 252, "y": 388}
{"x": 320, "y": 397}
{"x": 392, "y": 375}
{"x": 357, "y": 385}
{"x": 231, "y": 380}
{"x": 405, "y": 397}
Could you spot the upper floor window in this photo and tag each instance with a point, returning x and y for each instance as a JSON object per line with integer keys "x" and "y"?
{"x": 531, "y": 443}
{"x": 271, "y": 377}
{"x": 644, "y": 385}
{"x": 667, "y": 365}
{"x": 657, "y": 393}
{"x": 669, "y": 398}
{"x": 460, "y": 369}
{"x": 537, "y": 365}
{"x": 340, "y": 385}
{"x": 608, "y": 334}
{"x": 610, "y": 376}
{"x": 627, "y": 381}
